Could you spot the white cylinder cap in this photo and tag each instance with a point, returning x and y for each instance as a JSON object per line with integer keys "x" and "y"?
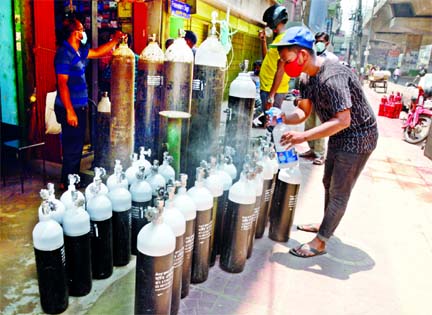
{"x": 231, "y": 170}
{"x": 112, "y": 182}
{"x": 243, "y": 86}
{"x": 131, "y": 173}
{"x": 57, "y": 213}
{"x": 290, "y": 175}
{"x": 88, "y": 191}
{"x": 268, "y": 170}
{"x": 226, "y": 179}
{"x": 214, "y": 184}
{"x": 141, "y": 191}
{"x": 211, "y": 53}
{"x": 76, "y": 222}
{"x": 242, "y": 192}
{"x": 156, "y": 181}
{"x": 259, "y": 184}
{"x": 99, "y": 208}
{"x": 167, "y": 171}
{"x": 121, "y": 199}
{"x": 47, "y": 235}
{"x": 202, "y": 197}
{"x": 66, "y": 199}
{"x": 156, "y": 240}
{"x": 186, "y": 205}
{"x": 179, "y": 51}
{"x": 175, "y": 219}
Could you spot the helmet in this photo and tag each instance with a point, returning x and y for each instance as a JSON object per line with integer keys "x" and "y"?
{"x": 274, "y": 15}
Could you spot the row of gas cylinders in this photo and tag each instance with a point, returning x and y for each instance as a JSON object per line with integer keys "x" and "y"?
{"x": 176, "y": 235}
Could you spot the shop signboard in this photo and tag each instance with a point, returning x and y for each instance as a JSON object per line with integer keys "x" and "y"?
{"x": 180, "y": 9}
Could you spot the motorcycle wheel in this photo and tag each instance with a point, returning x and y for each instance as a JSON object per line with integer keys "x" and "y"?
{"x": 419, "y": 132}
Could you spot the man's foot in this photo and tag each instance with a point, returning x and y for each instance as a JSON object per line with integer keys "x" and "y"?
{"x": 315, "y": 247}
{"x": 313, "y": 227}
{"x": 319, "y": 161}
{"x": 308, "y": 155}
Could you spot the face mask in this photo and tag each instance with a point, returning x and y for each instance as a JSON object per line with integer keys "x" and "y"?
{"x": 84, "y": 39}
{"x": 268, "y": 32}
{"x": 293, "y": 69}
{"x": 320, "y": 47}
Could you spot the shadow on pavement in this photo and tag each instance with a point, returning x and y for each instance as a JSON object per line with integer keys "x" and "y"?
{"x": 341, "y": 260}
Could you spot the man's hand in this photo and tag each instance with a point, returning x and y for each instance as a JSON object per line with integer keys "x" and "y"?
{"x": 72, "y": 118}
{"x": 292, "y": 137}
{"x": 119, "y": 35}
{"x": 262, "y": 35}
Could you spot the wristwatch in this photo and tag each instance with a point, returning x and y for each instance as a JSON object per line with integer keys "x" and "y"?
{"x": 270, "y": 100}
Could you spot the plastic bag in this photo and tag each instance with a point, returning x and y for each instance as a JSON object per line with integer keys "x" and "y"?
{"x": 51, "y": 124}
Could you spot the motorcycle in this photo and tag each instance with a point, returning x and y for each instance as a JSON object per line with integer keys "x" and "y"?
{"x": 419, "y": 119}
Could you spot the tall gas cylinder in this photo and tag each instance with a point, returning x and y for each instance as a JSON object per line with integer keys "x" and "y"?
{"x": 176, "y": 220}
{"x": 178, "y": 68}
{"x": 99, "y": 173}
{"x": 259, "y": 183}
{"x": 103, "y": 125}
{"x": 76, "y": 228}
{"x": 99, "y": 207}
{"x": 203, "y": 200}
{"x": 49, "y": 251}
{"x": 66, "y": 197}
{"x": 141, "y": 193}
{"x": 154, "y": 265}
{"x": 207, "y": 96}
{"x": 238, "y": 222}
{"x": 241, "y": 104}
{"x": 122, "y": 103}
{"x": 149, "y": 97}
{"x": 121, "y": 200}
{"x": 57, "y": 208}
{"x": 166, "y": 170}
{"x": 284, "y": 202}
{"x": 118, "y": 178}
{"x": 155, "y": 179}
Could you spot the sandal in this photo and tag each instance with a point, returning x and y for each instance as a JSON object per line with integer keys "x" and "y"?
{"x": 305, "y": 251}
{"x": 312, "y": 228}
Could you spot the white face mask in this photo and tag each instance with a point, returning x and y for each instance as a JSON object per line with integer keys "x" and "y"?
{"x": 268, "y": 32}
{"x": 320, "y": 47}
{"x": 84, "y": 39}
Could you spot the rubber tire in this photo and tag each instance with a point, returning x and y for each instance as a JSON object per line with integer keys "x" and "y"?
{"x": 426, "y": 121}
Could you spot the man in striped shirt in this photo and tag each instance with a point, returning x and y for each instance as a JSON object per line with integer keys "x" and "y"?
{"x": 347, "y": 119}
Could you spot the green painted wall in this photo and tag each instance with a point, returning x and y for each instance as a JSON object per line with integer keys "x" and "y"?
{"x": 9, "y": 110}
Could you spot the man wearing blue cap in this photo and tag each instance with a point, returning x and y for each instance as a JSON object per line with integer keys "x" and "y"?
{"x": 347, "y": 118}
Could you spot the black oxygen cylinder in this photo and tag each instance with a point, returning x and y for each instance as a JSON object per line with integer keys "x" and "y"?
{"x": 258, "y": 181}
{"x": 76, "y": 228}
{"x": 284, "y": 203}
{"x": 241, "y": 102}
{"x": 50, "y": 262}
{"x": 238, "y": 223}
{"x": 203, "y": 227}
{"x": 103, "y": 125}
{"x": 154, "y": 266}
{"x": 121, "y": 225}
{"x": 149, "y": 98}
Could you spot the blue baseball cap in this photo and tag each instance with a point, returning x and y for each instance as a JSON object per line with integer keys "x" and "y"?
{"x": 297, "y": 35}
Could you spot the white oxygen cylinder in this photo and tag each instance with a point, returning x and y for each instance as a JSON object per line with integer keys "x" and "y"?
{"x": 99, "y": 174}
{"x": 155, "y": 179}
{"x": 166, "y": 170}
{"x": 142, "y": 161}
{"x": 57, "y": 209}
{"x": 133, "y": 169}
{"x": 118, "y": 178}
{"x": 66, "y": 197}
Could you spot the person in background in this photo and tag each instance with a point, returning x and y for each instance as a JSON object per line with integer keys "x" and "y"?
{"x": 72, "y": 96}
{"x": 347, "y": 119}
{"x": 273, "y": 79}
{"x": 169, "y": 42}
{"x": 322, "y": 41}
{"x": 191, "y": 40}
{"x": 396, "y": 75}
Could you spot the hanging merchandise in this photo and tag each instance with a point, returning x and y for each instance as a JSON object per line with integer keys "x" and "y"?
{"x": 76, "y": 228}
{"x": 103, "y": 124}
{"x": 133, "y": 169}
{"x": 259, "y": 184}
{"x": 207, "y": 96}
{"x": 49, "y": 252}
{"x": 57, "y": 207}
{"x": 178, "y": 67}
{"x": 165, "y": 169}
{"x": 66, "y": 197}
{"x": 187, "y": 206}
{"x": 228, "y": 165}
{"x": 121, "y": 200}
{"x": 154, "y": 265}
{"x": 155, "y": 179}
{"x": 238, "y": 222}
{"x": 149, "y": 97}
{"x": 122, "y": 100}
{"x": 141, "y": 192}
{"x": 99, "y": 172}
{"x": 241, "y": 104}
{"x": 203, "y": 227}
{"x": 176, "y": 220}
{"x": 118, "y": 178}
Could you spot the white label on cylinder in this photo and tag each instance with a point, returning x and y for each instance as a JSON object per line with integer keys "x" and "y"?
{"x": 197, "y": 85}
{"x": 256, "y": 213}
{"x": 246, "y": 222}
{"x": 178, "y": 257}
{"x": 154, "y": 80}
{"x": 163, "y": 280}
{"x": 63, "y": 256}
{"x": 268, "y": 193}
{"x": 204, "y": 231}
{"x": 189, "y": 243}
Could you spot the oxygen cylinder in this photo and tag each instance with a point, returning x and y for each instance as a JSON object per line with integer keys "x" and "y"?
{"x": 57, "y": 207}
{"x": 100, "y": 210}
{"x": 154, "y": 265}
{"x": 228, "y": 165}
{"x": 166, "y": 169}
{"x": 118, "y": 178}
{"x": 176, "y": 220}
{"x": 238, "y": 222}
{"x": 241, "y": 103}
{"x": 142, "y": 161}
{"x": 49, "y": 251}
{"x": 149, "y": 97}
{"x": 207, "y": 96}
{"x": 178, "y": 67}
{"x": 284, "y": 203}
{"x": 203, "y": 200}
{"x": 122, "y": 100}
{"x": 187, "y": 206}
{"x": 133, "y": 169}
{"x": 66, "y": 197}
{"x": 76, "y": 228}
{"x": 141, "y": 193}
{"x": 103, "y": 123}
{"x": 259, "y": 183}
{"x": 97, "y": 180}
{"x": 121, "y": 200}
{"x": 155, "y": 179}
{"x": 214, "y": 183}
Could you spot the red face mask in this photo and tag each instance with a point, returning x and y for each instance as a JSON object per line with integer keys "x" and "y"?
{"x": 292, "y": 68}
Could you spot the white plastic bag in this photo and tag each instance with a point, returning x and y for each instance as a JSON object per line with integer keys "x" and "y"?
{"x": 51, "y": 124}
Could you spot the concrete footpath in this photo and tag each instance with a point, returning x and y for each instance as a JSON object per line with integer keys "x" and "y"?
{"x": 378, "y": 262}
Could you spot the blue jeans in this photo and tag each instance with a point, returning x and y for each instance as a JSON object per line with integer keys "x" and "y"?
{"x": 278, "y": 99}
{"x": 72, "y": 140}
{"x": 340, "y": 174}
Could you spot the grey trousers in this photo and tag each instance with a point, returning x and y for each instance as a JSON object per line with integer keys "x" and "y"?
{"x": 340, "y": 174}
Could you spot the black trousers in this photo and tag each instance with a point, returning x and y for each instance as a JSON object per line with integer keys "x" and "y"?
{"x": 72, "y": 140}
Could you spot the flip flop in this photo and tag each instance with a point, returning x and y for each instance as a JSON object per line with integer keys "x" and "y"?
{"x": 315, "y": 252}
{"x": 312, "y": 228}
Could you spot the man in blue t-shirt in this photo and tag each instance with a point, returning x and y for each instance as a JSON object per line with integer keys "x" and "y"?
{"x": 71, "y": 101}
